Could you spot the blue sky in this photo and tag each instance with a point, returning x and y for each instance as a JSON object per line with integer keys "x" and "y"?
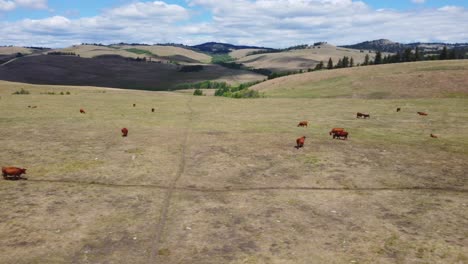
{"x": 275, "y": 23}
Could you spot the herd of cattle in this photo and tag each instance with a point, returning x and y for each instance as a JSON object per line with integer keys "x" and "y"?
{"x": 341, "y": 133}
{"x": 14, "y": 173}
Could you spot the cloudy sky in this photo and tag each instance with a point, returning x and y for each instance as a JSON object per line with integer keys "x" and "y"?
{"x": 272, "y": 23}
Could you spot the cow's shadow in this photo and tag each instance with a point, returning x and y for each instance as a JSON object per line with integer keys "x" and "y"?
{"x": 15, "y": 178}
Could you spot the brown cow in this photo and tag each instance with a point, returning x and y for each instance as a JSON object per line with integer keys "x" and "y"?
{"x": 82, "y": 111}
{"x": 303, "y": 124}
{"x": 422, "y": 113}
{"x": 340, "y": 134}
{"x": 134, "y": 105}
{"x": 152, "y": 110}
{"x": 124, "y": 132}
{"x": 433, "y": 136}
{"x": 300, "y": 142}
{"x": 398, "y": 109}
{"x": 13, "y": 171}
{"x": 359, "y": 115}
{"x": 336, "y": 129}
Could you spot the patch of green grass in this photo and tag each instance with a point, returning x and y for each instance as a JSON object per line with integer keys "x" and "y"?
{"x": 140, "y": 51}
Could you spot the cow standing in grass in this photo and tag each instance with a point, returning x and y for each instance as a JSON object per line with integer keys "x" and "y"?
{"x": 422, "y": 113}
{"x": 14, "y": 172}
{"x": 82, "y": 111}
{"x": 300, "y": 142}
{"x": 336, "y": 129}
{"x": 340, "y": 134}
{"x": 303, "y": 124}
{"x": 124, "y": 132}
{"x": 359, "y": 115}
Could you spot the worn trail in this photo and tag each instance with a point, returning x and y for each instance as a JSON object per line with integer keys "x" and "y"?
{"x": 252, "y": 189}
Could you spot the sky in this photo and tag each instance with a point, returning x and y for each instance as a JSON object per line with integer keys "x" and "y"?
{"x": 269, "y": 23}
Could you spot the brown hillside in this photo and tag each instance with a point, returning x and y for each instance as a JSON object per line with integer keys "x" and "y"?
{"x": 403, "y": 80}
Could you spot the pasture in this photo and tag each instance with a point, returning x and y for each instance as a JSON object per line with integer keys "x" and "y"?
{"x": 216, "y": 180}
{"x": 301, "y": 59}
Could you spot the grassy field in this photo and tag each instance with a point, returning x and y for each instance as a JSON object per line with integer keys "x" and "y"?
{"x": 302, "y": 59}
{"x": 433, "y": 79}
{"x": 217, "y": 180}
{"x": 14, "y": 50}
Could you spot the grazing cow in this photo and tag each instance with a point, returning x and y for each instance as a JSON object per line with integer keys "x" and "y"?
{"x": 35, "y": 106}
{"x": 29, "y": 106}
{"x": 422, "y": 113}
{"x": 14, "y": 172}
{"x": 336, "y": 129}
{"x": 134, "y": 105}
{"x": 82, "y": 111}
{"x": 303, "y": 124}
{"x": 340, "y": 134}
{"x": 359, "y": 115}
{"x": 300, "y": 142}
{"x": 433, "y": 136}
{"x": 398, "y": 109}
{"x": 124, "y": 132}
{"x": 152, "y": 110}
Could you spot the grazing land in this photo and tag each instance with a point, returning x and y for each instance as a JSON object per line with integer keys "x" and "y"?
{"x": 206, "y": 179}
{"x": 302, "y": 59}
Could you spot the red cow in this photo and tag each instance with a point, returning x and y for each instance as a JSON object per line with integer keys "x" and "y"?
{"x": 124, "y": 132}
{"x": 82, "y": 111}
{"x": 303, "y": 124}
{"x": 300, "y": 142}
{"x": 433, "y": 136}
{"x": 336, "y": 129}
{"x": 422, "y": 113}
{"x": 340, "y": 134}
{"x": 12, "y": 171}
{"x": 359, "y": 115}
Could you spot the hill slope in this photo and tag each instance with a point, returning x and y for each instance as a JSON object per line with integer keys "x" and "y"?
{"x": 114, "y": 71}
{"x": 403, "y": 80}
{"x": 301, "y": 59}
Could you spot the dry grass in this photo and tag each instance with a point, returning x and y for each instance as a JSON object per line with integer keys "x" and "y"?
{"x": 91, "y": 51}
{"x": 169, "y": 51}
{"x": 245, "y": 194}
{"x": 440, "y": 79}
{"x": 240, "y": 53}
{"x": 14, "y": 50}
{"x": 302, "y": 59}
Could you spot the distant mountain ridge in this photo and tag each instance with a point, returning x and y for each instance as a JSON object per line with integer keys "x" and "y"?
{"x": 385, "y": 45}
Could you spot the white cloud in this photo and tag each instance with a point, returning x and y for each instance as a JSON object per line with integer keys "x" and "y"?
{"x": 7, "y": 5}
{"x": 274, "y": 23}
{"x": 418, "y": 1}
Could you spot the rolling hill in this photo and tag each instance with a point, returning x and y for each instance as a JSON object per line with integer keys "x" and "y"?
{"x": 301, "y": 59}
{"x": 173, "y": 53}
{"x": 114, "y": 71}
{"x": 430, "y": 79}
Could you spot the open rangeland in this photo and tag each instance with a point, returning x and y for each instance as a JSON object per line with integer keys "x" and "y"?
{"x": 302, "y": 59}
{"x": 216, "y": 180}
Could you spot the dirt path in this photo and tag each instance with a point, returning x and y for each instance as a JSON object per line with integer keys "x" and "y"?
{"x": 252, "y": 189}
{"x": 153, "y": 258}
